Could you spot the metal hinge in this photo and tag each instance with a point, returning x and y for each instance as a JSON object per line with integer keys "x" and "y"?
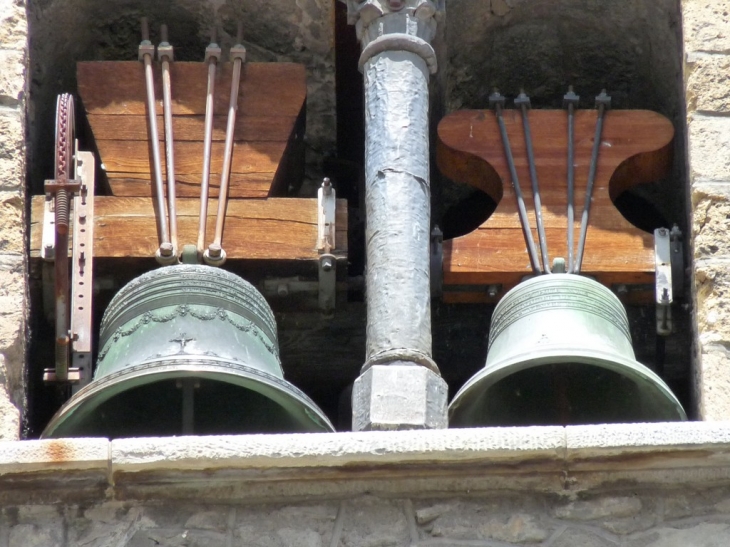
{"x": 326, "y": 233}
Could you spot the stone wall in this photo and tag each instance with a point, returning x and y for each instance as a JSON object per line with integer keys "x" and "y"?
{"x": 707, "y": 79}
{"x": 13, "y": 298}
{"x": 653, "y": 518}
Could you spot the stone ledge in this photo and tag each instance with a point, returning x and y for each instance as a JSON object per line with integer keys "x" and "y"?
{"x": 256, "y": 468}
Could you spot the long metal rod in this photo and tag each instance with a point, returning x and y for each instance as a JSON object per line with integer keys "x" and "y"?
{"x": 602, "y": 101}
{"x": 215, "y": 250}
{"x": 146, "y": 52}
{"x": 497, "y": 101}
{"x": 212, "y": 53}
{"x": 165, "y": 53}
{"x": 523, "y": 101}
{"x": 570, "y": 101}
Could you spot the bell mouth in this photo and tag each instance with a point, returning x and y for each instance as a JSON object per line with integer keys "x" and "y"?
{"x": 564, "y": 387}
{"x": 146, "y": 400}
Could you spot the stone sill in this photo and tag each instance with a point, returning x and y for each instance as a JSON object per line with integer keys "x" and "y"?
{"x": 263, "y": 468}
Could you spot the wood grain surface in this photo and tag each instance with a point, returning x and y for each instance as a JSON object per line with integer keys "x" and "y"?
{"x": 636, "y": 147}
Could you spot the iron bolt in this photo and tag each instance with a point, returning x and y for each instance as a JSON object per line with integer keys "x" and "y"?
{"x": 166, "y": 249}
{"x": 327, "y": 264}
{"x": 214, "y": 251}
{"x": 282, "y": 289}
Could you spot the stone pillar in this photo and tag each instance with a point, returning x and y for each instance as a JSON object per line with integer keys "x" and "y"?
{"x": 13, "y": 288}
{"x": 400, "y": 386}
{"x": 706, "y": 69}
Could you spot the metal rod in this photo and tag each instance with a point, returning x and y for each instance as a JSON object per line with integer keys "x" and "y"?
{"x": 212, "y": 54}
{"x": 215, "y": 250}
{"x": 523, "y": 101}
{"x": 497, "y": 102}
{"x": 602, "y": 102}
{"x": 165, "y": 57}
{"x": 570, "y": 101}
{"x": 61, "y": 274}
{"x": 146, "y": 51}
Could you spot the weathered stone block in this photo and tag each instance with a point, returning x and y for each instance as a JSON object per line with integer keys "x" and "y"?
{"x": 709, "y": 147}
{"x": 36, "y": 535}
{"x": 599, "y": 508}
{"x": 711, "y": 220}
{"x": 706, "y": 26}
{"x": 713, "y": 383}
{"x": 371, "y": 522}
{"x": 12, "y": 229}
{"x": 13, "y": 24}
{"x": 712, "y": 284}
{"x": 582, "y": 538}
{"x": 702, "y": 535}
{"x": 708, "y": 82}
{"x": 12, "y": 150}
{"x": 12, "y": 77}
{"x": 390, "y": 397}
{"x": 519, "y": 528}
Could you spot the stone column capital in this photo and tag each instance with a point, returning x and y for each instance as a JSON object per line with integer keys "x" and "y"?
{"x": 396, "y": 25}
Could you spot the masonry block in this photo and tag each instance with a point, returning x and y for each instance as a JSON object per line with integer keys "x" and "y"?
{"x": 708, "y": 82}
{"x": 709, "y": 147}
{"x": 399, "y": 396}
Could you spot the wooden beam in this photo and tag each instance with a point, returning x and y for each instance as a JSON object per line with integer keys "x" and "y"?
{"x": 636, "y": 147}
{"x": 118, "y": 88}
{"x": 276, "y": 229}
{"x": 268, "y": 154}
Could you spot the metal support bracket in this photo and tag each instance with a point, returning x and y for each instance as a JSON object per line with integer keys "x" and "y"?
{"x": 326, "y": 221}
{"x": 664, "y": 291}
{"x": 81, "y": 326}
{"x": 437, "y": 262}
{"x": 677, "y": 247}
{"x": 327, "y": 282}
{"x": 326, "y": 232}
{"x": 48, "y": 242}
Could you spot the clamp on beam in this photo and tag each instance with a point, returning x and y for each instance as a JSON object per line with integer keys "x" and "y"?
{"x": 326, "y": 231}
{"x": 664, "y": 290}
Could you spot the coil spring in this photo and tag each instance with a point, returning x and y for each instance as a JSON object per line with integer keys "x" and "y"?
{"x": 62, "y": 211}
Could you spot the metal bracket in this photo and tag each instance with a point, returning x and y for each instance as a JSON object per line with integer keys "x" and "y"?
{"x": 437, "y": 262}
{"x": 327, "y": 282}
{"x": 81, "y": 326}
{"x": 677, "y": 247}
{"x": 48, "y": 241}
{"x": 326, "y": 221}
{"x": 664, "y": 291}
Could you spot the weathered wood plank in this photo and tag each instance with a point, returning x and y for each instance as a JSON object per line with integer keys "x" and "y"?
{"x": 241, "y": 185}
{"x": 636, "y": 148}
{"x": 192, "y": 128}
{"x": 248, "y": 157}
{"x": 118, "y": 88}
{"x": 276, "y": 229}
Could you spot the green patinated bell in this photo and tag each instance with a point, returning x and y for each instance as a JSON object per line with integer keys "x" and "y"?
{"x": 560, "y": 353}
{"x": 187, "y": 349}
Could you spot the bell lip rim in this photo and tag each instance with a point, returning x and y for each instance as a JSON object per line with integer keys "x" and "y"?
{"x": 195, "y": 367}
{"x": 546, "y": 357}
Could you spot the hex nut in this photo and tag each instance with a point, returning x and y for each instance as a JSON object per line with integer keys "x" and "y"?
{"x": 399, "y": 396}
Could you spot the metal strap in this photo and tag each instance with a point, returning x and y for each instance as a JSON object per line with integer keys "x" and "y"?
{"x": 603, "y": 102}
{"x": 570, "y": 102}
{"x": 496, "y": 101}
{"x": 523, "y": 102}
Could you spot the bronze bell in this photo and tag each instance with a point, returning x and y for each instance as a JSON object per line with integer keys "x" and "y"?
{"x": 560, "y": 353}
{"x": 187, "y": 349}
